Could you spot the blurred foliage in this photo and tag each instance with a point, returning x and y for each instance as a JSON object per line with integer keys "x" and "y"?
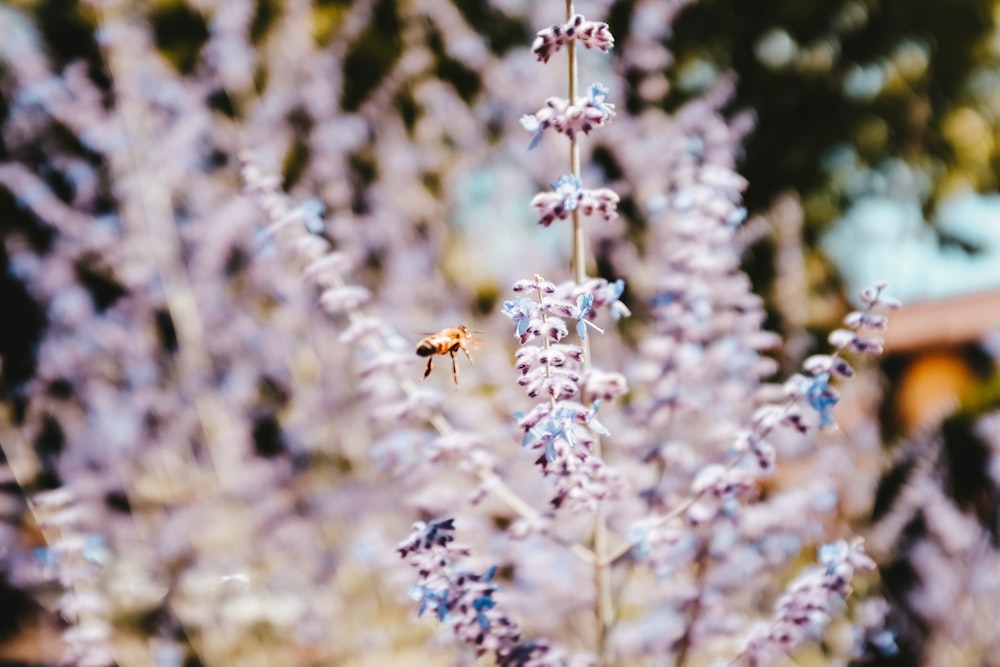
{"x": 500, "y": 31}
{"x": 372, "y": 55}
{"x": 909, "y": 79}
{"x": 68, "y": 30}
{"x": 180, "y": 33}
{"x": 915, "y": 79}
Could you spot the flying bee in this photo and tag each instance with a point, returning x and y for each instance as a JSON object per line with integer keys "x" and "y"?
{"x": 447, "y": 341}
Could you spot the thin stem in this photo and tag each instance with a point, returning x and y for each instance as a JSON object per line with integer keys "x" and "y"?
{"x": 545, "y": 342}
{"x": 602, "y": 580}
{"x": 579, "y": 247}
{"x": 603, "y": 603}
{"x": 694, "y": 611}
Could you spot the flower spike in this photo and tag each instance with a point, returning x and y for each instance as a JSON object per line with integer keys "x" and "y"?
{"x": 592, "y": 34}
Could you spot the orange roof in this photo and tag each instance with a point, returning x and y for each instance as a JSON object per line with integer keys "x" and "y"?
{"x": 943, "y": 322}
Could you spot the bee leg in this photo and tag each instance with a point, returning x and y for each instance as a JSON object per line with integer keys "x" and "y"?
{"x": 430, "y": 364}
{"x": 454, "y": 366}
{"x": 468, "y": 356}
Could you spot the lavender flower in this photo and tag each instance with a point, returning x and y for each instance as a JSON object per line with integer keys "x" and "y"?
{"x": 816, "y": 390}
{"x": 77, "y": 560}
{"x": 519, "y": 310}
{"x": 568, "y": 196}
{"x": 592, "y": 34}
{"x": 563, "y": 429}
{"x": 464, "y": 600}
{"x": 582, "y": 115}
{"x": 822, "y": 397}
{"x": 584, "y": 304}
{"x": 806, "y": 607}
{"x": 706, "y": 342}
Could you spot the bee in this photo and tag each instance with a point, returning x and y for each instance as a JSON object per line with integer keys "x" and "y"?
{"x": 447, "y": 341}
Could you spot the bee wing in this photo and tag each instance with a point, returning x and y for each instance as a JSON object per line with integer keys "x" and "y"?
{"x": 413, "y": 334}
{"x": 399, "y": 339}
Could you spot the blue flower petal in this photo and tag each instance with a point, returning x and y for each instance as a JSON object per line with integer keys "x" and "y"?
{"x": 569, "y": 181}
{"x": 584, "y": 303}
{"x": 598, "y": 92}
{"x": 596, "y": 426}
{"x": 518, "y": 310}
{"x": 535, "y": 139}
{"x": 528, "y": 438}
{"x": 833, "y": 553}
{"x": 822, "y": 398}
{"x": 484, "y": 602}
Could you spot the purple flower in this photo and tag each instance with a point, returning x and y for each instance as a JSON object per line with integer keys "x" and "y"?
{"x": 807, "y": 603}
{"x": 519, "y": 310}
{"x": 832, "y": 554}
{"x": 312, "y": 211}
{"x": 596, "y": 426}
{"x": 570, "y": 117}
{"x": 598, "y": 100}
{"x": 584, "y": 303}
{"x": 547, "y": 433}
{"x": 839, "y": 554}
{"x": 618, "y": 309}
{"x": 592, "y": 34}
{"x": 461, "y": 598}
{"x": 428, "y": 535}
{"x": 568, "y": 188}
{"x": 567, "y": 196}
{"x": 560, "y": 425}
{"x": 436, "y": 600}
{"x": 822, "y": 397}
{"x": 531, "y": 123}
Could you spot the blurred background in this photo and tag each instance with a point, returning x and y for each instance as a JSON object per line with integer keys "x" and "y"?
{"x": 874, "y": 155}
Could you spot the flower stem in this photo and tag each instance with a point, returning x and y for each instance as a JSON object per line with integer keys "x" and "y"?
{"x": 603, "y": 604}
{"x": 686, "y": 641}
{"x": 545, "y": 342}
{"x": 579, "y": 256}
